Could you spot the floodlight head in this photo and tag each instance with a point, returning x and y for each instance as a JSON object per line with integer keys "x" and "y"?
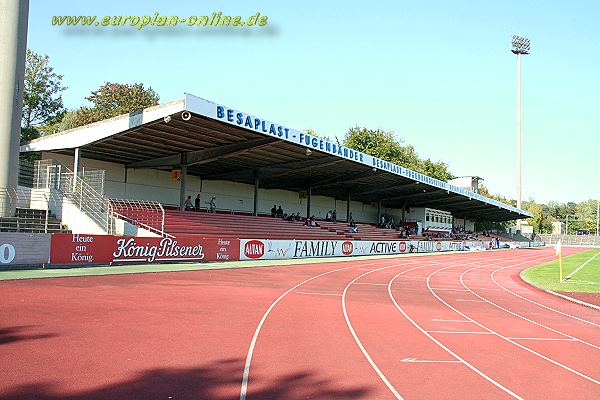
{"x": 520, "y": 45}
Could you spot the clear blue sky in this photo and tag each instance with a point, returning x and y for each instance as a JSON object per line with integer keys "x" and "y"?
{"x": 438, "y": 73}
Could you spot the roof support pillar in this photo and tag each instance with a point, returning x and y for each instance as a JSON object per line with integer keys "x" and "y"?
{"x": 379, "y": 211}
{"x": 182, "y": 181}
{"x": 308, "y": 198}
{"x": 403, "y": 211}
{"x": 256, "y": 183}
{"x": 76, "y": 166}
{"x": 348, "y": 209}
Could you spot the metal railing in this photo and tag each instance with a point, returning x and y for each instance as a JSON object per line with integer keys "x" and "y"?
{"x": 53, "y": 176}
{"x": 571, "y": 240}
{"x": 149, "y": 215}
{"x": 12, "y": 199}
{"x": 86, "y": 191}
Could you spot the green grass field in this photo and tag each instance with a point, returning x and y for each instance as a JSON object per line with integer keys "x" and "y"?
{"x": 586, "y": 280}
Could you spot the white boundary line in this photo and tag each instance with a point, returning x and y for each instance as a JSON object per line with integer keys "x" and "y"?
{"x": 366, "y": 354}
{"x": 536, "y": 303}
{"x": 440, "y": 344}
{"x": 244, "y": 385}
{"x": 522, "y": 317}
{"x": 581, "y": 266}
{"x": 507, "y": 339}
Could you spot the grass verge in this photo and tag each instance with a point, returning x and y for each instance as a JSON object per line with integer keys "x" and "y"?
{"x": 586, "y": 280}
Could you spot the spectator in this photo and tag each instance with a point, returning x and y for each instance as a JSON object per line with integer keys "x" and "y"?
{"x": 313, "y": 222}
{"x": 291, "y": 217}
{"x": 352, "y": 228}
{"x": 279, "y": 213}
{"x": 497, "y": 242}
{"x": 334, "y": 216}
{"x": 197, "y": 203}
{"x": 328, "y": 216}
{"x": 212, "y": 206}
{"x": 188, "y": 204}
{"x": 350, "y": 218}
{"x": 274, "y": 211}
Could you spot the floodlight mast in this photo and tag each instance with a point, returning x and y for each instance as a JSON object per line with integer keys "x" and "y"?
{"x": 520, "y": 46}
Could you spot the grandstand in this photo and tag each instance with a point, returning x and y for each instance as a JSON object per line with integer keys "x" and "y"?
{"x": 131, "y": 174}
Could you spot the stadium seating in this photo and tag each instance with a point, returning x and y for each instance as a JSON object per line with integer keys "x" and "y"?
{"x": 264, "y": 227}
{"x": 245, "y": 226}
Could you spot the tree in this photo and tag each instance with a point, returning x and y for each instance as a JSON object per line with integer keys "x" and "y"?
{"x": 540, "y": 221}
{"x": 585, "y": 212}
{"x": 67, "y": 122}
{"x": 42, "y": 99}
{"x": 113, "y": 99}
{"x": 384, "y": 145}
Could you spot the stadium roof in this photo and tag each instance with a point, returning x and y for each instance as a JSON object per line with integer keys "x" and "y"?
{"x": 219, "y": 143}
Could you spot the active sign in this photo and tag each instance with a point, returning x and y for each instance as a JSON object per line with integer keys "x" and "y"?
{"x": 106, "y": 249}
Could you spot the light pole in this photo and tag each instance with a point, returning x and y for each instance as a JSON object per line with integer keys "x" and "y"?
{"x": 520, "y": 46}
{"x": 597, "y": 217}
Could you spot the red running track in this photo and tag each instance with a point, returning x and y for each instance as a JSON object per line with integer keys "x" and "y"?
{"x": 460, "y": 326}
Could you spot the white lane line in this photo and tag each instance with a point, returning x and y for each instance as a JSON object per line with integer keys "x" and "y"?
{"x": 504, "y": 337}
{"x": 537, "y": 338}
{"x": 523, "y": 317}
{"x": 450, "y": 320}
{"x": 416, "y": 360}
{"x": 451, "y": 290}
{"x": 320, "y": 294}
{"x": 477, "y": 371}
{"x": 462, "y": 333}
{"x": 357, "y": 340}
{"x": 535, "y": 302}
{"x": 359, "y": 343}
{"x": 582, "y": 265}
{"x": 244, "y": 386}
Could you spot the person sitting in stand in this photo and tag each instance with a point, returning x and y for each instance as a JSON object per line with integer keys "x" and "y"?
{"x": 298, "y": 217}
{"x": 352, "y": 228}
{"x": 187, "y": 205}
{"x": 313, "y": 221}
{"x": 328, "y": 216}
{"x": 212, "y": 206}
{"x": 391, "y": 224}
{"x": 291, "y": 217}
{"x": 334, "y": 216}
{"x": 274, "y": 211}
{"x": 279, "y": 213}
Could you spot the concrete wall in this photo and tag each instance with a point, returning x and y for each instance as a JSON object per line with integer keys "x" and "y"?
{"x": 150, "y": 184}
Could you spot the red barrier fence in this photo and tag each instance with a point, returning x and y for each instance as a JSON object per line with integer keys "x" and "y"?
{"x": 101, "y": 249}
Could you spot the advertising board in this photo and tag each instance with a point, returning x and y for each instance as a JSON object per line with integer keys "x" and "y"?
{"x": 24, "y": 249}
{"x": 105, "y": 249}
